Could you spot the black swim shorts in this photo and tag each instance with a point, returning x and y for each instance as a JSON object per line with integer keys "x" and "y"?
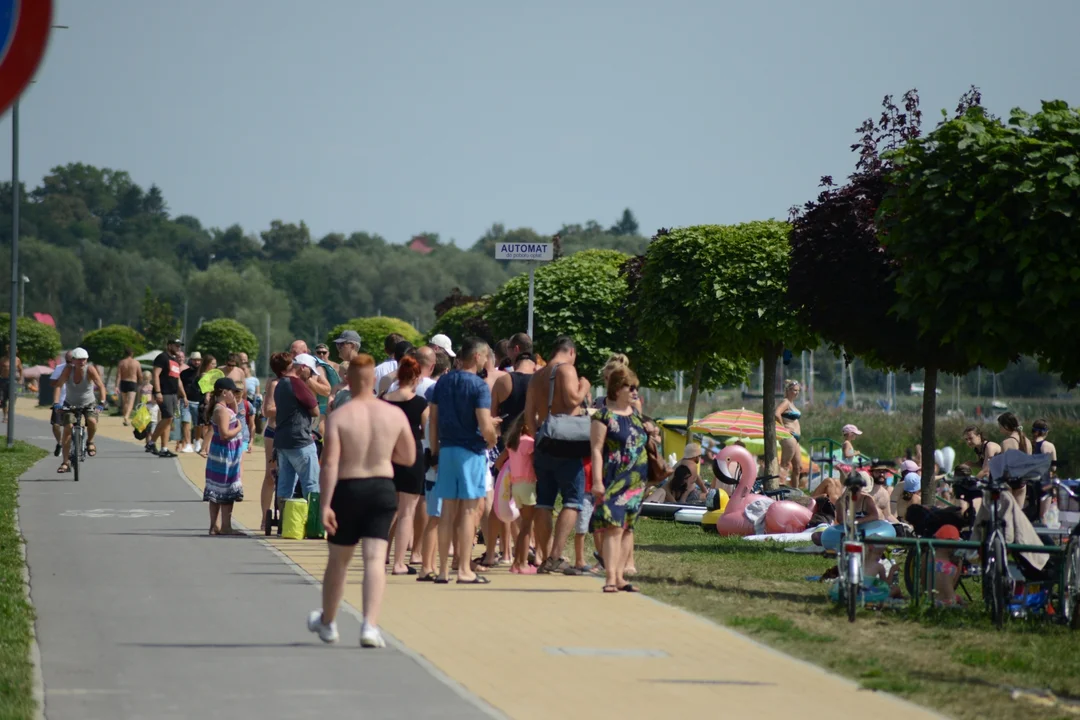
{"x": 128, "y": 386}
{"x": 364, "y": 508}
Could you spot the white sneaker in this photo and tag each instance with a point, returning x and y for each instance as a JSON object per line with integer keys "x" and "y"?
{"x": 327, "y": 633}
{"x": 198, "y": 446}
{"x": 188, "y": 448}
{"x": 370, "y": 637}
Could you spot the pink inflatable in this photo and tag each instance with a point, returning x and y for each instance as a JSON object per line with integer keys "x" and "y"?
{"x": 505, "y": 507}
{"x": 781, "y": 517}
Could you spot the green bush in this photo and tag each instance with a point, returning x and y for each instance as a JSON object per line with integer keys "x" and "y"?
{"x": 107, "y": 345}
{"x": 37, "y": 343}
{"x": 223, "y": 336}
{"x": 463, "y": 321}
{"x": 373, "y": 331}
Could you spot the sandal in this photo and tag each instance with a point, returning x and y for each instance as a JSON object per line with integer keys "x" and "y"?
{"x": 599, "y": 558}
{"x": 628, "y": 588}
{"x": 430, "y": 577}
{"x": 408, "y": 571}
{"x": 478, "y": 580}
{"x": 91, "y": 449}
{"x": 64, "y": 467}
{"x": 611, "y": 589}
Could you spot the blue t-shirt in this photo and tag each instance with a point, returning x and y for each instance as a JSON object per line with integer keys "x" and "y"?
{"x": 458, "y": 396}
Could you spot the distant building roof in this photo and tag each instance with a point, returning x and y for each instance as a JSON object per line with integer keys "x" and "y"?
{"x": 45, "y": 319}
{"x": 420, "y": 244}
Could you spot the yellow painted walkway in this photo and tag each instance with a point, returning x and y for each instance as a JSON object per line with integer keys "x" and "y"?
{"x": 554, "y": 646}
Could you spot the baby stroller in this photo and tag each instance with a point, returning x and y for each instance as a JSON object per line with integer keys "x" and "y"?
{"x": 273, "y": 515}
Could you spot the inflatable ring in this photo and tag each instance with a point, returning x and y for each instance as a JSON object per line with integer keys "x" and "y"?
{"x": 505, "y": 507}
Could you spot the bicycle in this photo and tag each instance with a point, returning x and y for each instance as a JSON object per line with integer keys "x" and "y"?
{"x": 994, "y": 552}
{"x": 1069, "y": 592}
{"x": 76, "y": 417}
{"x": 850, "y": 554}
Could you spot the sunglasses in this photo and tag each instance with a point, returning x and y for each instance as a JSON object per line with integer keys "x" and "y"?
{"x": 322, "y": 352}
{"x": 633, "y": 388}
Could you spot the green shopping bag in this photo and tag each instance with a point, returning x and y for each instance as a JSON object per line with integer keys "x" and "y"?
{"x": 314, "y": 529}
{"x": 294, "y": 518}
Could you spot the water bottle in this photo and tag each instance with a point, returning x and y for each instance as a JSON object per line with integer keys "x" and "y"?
{"x": 1052, "y": 519}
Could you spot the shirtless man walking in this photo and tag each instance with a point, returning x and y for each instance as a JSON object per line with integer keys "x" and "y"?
{"x": 364, "y": 437}
{"x": 129, "y": 371}
{"x": 555, "y": 475}
{"x": 5, "y": 378}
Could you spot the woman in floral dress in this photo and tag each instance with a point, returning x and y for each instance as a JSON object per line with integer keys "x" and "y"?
{"x": 224, "y": 457}
{"x": 620, "y": 469}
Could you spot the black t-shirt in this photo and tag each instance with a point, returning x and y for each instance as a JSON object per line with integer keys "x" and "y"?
{"x": 170, "y": 373}
{"x": 188, "y": 379}
{"x": 295, "y": 406}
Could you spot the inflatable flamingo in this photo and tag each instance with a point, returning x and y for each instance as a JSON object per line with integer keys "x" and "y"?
{"x": 781, "y": 517}
{"x": 505, "y": 507}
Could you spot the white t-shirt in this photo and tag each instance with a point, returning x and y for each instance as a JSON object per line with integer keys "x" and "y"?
{"x": 382, "y": 370}
{"x": 421, "y": 387}
{"x": 56, "y": 373}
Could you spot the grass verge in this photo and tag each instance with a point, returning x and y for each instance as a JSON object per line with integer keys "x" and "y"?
{"x": 16, "y": 614}
{"x": 949, "y": 660}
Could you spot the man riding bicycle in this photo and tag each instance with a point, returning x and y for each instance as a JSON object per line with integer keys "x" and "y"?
{"x": 78, "y": 379}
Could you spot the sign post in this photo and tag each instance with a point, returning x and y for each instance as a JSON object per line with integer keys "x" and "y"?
{"x": 24, "y": 31}
{"x": 531, "y": 253}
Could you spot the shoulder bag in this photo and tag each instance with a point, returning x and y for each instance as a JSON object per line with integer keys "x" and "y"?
{"x": 564, "y": 436}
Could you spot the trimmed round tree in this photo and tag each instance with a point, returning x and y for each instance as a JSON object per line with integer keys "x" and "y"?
{"x": 463, "y": 321}
{"x": 108, "y": 345}
{"x": 582, "y": 296}
{"x": 713, "y": 292}
{"x": 373, "y": 331}
{"x": 37, "y": 343}
{"x": 224, "y": 336}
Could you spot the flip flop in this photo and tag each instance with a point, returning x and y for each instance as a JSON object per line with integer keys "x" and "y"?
{"x": 628, "y": 588}
{"x": 478, "y": 580}
{"x": 610, "y": 589}
{"x": 430, "y": 577}
{"x": 409, "y": 571}
{"x": 442, "y": 581}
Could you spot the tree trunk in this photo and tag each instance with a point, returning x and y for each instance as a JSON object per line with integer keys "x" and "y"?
{"x": 768, "y": 411}
{"x": 693, "y": 397}
{"x": 929, "y": 419}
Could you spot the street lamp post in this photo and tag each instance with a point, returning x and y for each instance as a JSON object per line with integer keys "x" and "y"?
{"x": 22, "y": 296}
{"x": 13, "y": 384}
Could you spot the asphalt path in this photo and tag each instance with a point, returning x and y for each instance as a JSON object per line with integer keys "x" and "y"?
{"x": 140, "y": 614}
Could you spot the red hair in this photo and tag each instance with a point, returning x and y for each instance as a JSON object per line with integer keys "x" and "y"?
{"x": 408, "y": 371}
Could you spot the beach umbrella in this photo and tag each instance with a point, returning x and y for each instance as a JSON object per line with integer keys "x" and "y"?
{"x": 741, "y": 423}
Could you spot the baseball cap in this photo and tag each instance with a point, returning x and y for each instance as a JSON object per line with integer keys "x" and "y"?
{"x": 79, "y": 354}
{"x": 175, "y": 341}
{"x": 912, "y": 482}
{"x": 444, "y": 342}
{"x": 195, "y": 356}
{"x": 348, "y": 336}
{"x": 306, "y": 360}
{"x": 947, "y": 532}
{"x": 909, "y": 466}
{"x": 224, "y": 384}
{"x": 849, "y": 428}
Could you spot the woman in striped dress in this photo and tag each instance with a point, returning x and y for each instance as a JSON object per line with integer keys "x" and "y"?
{"x": 223, "y": 486}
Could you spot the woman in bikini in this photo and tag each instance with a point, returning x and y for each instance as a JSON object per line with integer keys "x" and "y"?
{"x": 790, "y": 453}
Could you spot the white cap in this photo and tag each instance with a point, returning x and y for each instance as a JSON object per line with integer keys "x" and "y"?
{"x": 306, "y": 360}
{"x": 444, "y": 342}
{"x": 79, "y": 354}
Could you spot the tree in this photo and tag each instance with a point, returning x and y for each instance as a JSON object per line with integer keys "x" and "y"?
{"x": 981, "y": 217}
{"x": 108, "y": 345}
{"x": 581, "y": 296}
{"x": 627, "y": 224}
{"x": 284, "y": 241}
{"x": 246, "y": 296}
{"x": 843, "y": 280}
{"x": 373, "y": 331}
{"x": 157, "y": 321}
{"x": 716, "y": 291}
{"x": 223, "y": 336}
{"x": 36, "y": 342}
{"x": 462, "y": 321}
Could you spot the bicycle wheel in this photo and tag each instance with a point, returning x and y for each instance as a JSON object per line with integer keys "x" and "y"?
{"x": 993, "y": 580}
{"x": 854, "y": 584}
{"x": 1069, "y": 592}
{"x": 76, "y": 449}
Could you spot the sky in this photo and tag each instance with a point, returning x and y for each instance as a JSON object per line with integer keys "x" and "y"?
{"x": 430, "y": 115}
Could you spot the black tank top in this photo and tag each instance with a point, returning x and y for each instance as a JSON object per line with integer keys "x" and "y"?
{"x": 514, "y": 405}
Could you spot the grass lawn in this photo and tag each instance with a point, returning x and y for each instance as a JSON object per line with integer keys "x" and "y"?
{"x": 950, "y": 660}
{"x": 16, "y": 615}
